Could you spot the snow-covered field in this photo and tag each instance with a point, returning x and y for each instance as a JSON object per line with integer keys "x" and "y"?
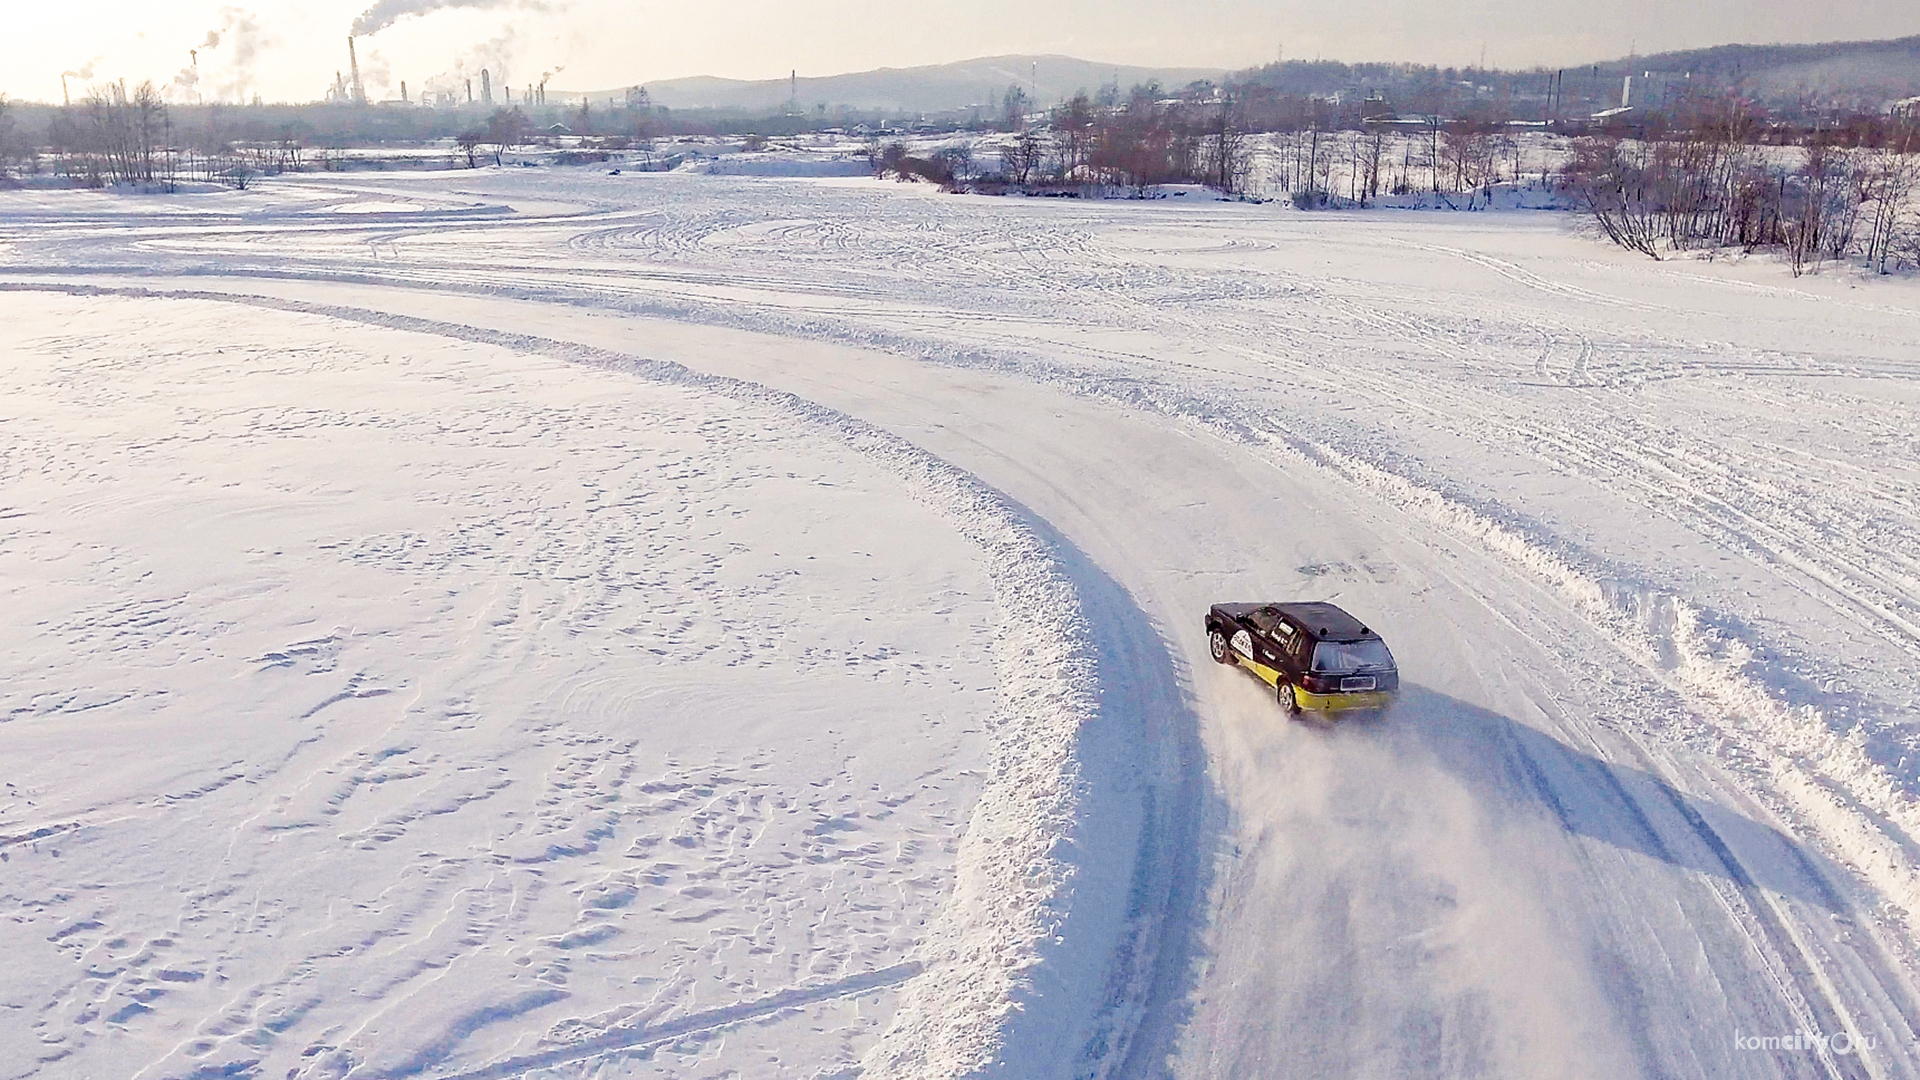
{"x": 536, "y": 621}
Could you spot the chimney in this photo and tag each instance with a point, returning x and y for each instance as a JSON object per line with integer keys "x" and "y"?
{"x": 353, "y": 61}
{"x": 469, "y": 91}
{"x": 403, "y": 92}
{"x": 486, "y": 87}
{"x": 1626, "y": 92}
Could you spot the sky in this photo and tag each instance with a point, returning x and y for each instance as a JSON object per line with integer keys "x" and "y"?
{"x": 288, "y": 50}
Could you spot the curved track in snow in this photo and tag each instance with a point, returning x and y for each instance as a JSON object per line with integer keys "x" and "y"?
{"x": 1628, "y": 816}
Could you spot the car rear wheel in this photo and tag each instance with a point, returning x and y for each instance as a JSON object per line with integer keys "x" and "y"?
{"x": 1288, "y": 703}
{"x": 1217, "y": 645}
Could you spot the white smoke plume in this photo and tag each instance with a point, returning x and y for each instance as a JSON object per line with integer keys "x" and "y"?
{"x": 495, "y": 55}
{"x": 385, "y": 13}
{"x": 376, "y": 74}
{"x": 226, "y": 58}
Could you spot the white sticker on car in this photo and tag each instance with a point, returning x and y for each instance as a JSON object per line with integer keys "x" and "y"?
{"x": 1243, "y": 644}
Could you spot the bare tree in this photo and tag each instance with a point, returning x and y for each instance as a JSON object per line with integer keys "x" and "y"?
{"x": 120, "y": 133}
{"x": 1014, "y": 107}
{"x": 1890, "y": 181}
{"x": 1468, "y": 152}
{"x": 1073, "y": 125}
{"x": 506, "y": 129}
{"x": 1611, "y": 181}
{"x": 1226, "y": 158}
{"x": 1022, "y": 157}
{"x": 1371, "y": 149}
{"x": 1811, "y": 217}
{"x": 958, "y": 161}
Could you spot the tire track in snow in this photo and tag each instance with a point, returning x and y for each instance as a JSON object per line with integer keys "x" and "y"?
{"x": 1013, "y": 887}
{"x": 1808, "y": 760}
{"x": 627, "y": 1038}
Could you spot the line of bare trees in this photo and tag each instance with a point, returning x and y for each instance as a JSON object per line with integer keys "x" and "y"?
{"x": 1318, "y": 168}
{"x": 1138, "y": 142}
{"x": 1710, "y": 186}
{"x": 121, "y": 136}
{"x": 118, "y": 137}
{"x": 505, "y": 129}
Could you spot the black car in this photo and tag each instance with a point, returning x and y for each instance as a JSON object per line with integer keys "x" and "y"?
{"x": 1315, "y": 656}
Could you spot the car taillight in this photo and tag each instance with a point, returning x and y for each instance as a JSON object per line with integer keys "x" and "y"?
{"x": 1317, "y": 683}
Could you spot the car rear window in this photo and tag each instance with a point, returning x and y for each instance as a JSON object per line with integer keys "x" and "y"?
{"x": 1351, "y": 655}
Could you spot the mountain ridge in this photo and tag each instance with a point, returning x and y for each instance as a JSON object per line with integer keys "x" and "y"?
{"x": 962, "y": 84}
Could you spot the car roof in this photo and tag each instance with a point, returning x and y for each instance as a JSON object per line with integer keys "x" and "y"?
{"x": 1327, "y": 622}
{"x": 1324, "y": 620}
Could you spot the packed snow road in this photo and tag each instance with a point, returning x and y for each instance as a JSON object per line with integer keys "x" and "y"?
{"x": 1643, "y": 537}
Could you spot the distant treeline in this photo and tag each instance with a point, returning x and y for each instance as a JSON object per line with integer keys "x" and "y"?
{"x": 1708, "y": 170}
{"x": 116, "y": 134}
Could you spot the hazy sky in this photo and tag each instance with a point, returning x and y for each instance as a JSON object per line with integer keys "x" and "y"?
{"x": 289, "y": 49}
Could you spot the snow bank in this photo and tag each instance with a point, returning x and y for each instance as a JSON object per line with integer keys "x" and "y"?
{"x": 786, "y": 165}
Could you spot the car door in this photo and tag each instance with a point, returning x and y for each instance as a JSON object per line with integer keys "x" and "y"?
{"x": 1263, "y": 645}
{"x": 1241, "y": 640}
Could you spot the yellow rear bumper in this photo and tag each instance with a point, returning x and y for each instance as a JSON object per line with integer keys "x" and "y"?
{"x": 1374, "y": 699}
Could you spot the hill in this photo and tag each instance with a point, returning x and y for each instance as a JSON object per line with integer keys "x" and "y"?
{"x": 933, "y": 88}
{"x": 1864, "y": 73}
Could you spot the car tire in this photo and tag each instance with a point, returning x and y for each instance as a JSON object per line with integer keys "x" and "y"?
{"x": 1288, "y": 703}
{"x": 1217, "y": 645}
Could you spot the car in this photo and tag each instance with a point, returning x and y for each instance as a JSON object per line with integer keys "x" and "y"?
{"x": 1317, "y": 658}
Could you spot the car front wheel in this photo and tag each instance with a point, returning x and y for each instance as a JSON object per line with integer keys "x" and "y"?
{"x": 1217, "y": 644}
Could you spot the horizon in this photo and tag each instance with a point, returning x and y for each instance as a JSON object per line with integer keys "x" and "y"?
{"x": 285, "y": 51}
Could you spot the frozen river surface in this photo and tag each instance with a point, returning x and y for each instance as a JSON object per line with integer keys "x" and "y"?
{"x": 672, "y": 625}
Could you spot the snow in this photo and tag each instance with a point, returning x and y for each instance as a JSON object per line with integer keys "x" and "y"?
{"x": 470, "y": 701}
{"x": 484, "y": 485}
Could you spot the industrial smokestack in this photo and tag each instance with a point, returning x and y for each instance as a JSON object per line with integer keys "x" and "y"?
{"x": 469, "y": 91}
{"x": 353, "y": 61}
{"x": 403, "y": 93}
{"x": 486, "y": 87}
